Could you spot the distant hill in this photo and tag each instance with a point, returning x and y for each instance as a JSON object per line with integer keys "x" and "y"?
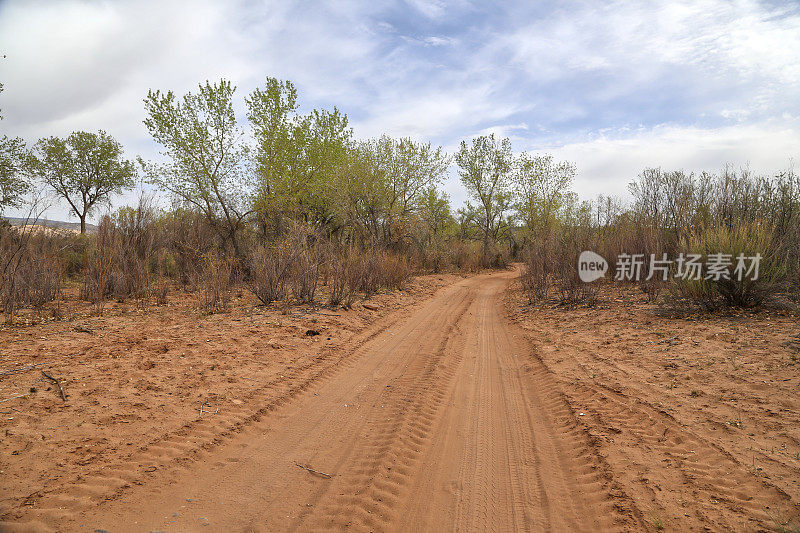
{"x": 56, "y": 224}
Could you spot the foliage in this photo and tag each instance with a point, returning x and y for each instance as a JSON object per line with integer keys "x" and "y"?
{"x": 15, "y": 164}
{"x": 741, "y": 239}
{"x": 206, "y": 152}
{"x": 295, "y": 156}
{"x": 542, "y": 190}
{"x": 484, "y": 168}
{"x": 84, "y": 169}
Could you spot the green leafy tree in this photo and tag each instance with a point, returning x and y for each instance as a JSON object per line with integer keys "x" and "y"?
{"x": 484, "y": 168}
{"x": 433, "y": 209}
{"x": 85, "y": 169}
{"x": 204, "y": 144}
{"x": 542, "y": 188}
{"x": 295, "y": 155}
{"x": 14, "y": 165}
{"x": 272, "y": 112}
{"x": 357, "y": 193}
{"x": 409, "y": 169}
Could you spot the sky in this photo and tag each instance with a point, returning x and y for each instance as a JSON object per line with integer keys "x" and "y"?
{"x": 614, "y": 87}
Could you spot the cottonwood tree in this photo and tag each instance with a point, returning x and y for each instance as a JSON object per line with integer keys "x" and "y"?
{"x": 409, "y": 170}
{"x": 207, "y": 155}
{"x": 14, "y": 167}
{"x": 434, "y": 226}
{"x": 85, "y": 169}
{"x": 14, "y": 164}
{"x": 272, "y": 112}
{"x": 295, "y": 155}
{"x": 484, "y": 168}
{"x": 542, "y": 189}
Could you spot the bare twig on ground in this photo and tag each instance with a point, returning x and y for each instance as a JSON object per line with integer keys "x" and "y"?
{"x": 13, "y": 398}
{"x": 20, "y": 369}
{"x": 216, "y": 409}
{"x": 57, "y": 382}
{"x": 315, "y": 472}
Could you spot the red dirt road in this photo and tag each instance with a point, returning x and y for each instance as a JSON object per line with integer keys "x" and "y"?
{"x": 440, "y": 417}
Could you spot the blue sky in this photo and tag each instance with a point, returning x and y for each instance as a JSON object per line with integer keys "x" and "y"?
{"x": 613, "y": 86}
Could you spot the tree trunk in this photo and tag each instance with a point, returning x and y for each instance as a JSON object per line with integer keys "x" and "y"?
{"x": 83, "y": 224}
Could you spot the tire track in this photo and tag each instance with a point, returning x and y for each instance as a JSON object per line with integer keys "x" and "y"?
{"x": 366, "y": 495}
{"x": 48, "y": 509}
{"x": 442, "y": 421}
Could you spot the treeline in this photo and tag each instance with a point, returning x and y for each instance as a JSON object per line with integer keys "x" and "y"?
{"x": 293, "y": 207}
{"x": 279, "y": 203}
{"x": 715, "y": 217}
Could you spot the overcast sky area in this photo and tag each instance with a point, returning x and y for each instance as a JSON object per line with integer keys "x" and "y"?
{"x": 612, "y": 86}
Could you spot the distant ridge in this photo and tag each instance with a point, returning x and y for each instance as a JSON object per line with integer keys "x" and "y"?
{"x": 56, "y": 224}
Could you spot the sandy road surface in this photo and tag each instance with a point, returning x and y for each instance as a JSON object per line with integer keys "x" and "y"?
{"x": 438, "y": 420}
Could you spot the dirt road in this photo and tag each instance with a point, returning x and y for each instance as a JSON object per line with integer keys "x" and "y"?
{"x": 438, "y": 420}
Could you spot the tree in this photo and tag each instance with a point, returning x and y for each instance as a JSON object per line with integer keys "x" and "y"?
{"x": 409, "y": 169}
{"x": 204, "y": 143}
{"x": 433, "y": 208}
{"x": 484, "y": 171}
{"x": 295, "y": 155}
{"x": 542, "y": 188}
{"x": 272, "y": 114}
{"x": 14, "y": 163}
{"x": 85, "y": 169}
{"x": 14, "y": 166}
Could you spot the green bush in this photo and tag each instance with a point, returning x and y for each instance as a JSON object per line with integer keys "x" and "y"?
{"x": 747, "y": 239}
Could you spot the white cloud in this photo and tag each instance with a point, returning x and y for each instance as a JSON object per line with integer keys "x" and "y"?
{"x": 590, "y": 80}
{"x": 607, "y": 164}
{"x": 429, "y": 8}
{"x": 749, "y": 49}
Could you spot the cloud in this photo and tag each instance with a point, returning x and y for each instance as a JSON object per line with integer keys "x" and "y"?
{"x": 608, "y": 163}
{"x": 430, "y": 8}
{"x": 616, "y": 86}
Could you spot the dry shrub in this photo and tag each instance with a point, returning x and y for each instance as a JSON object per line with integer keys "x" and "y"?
{"x": 98, "y": 283}
{"x": 30, "y": 268}
{"x": 186, "y": 238}
{"x": 551, "y": 262}
{"x": 572, "y": 290}
{"x": 536, "y": 271}
{"x": 376, "y": 270}
{"x": 433, "y": 256}
{"x": 305, "y": 268}
{"x": 337, "y": 273}
{"x": 741, "y": 238}
{"x": 467, "y": 256}
{"x": 136, "y": 265}
{"x": 269, "y": 272}
{"x": 350, "y": 271}
{"x": 216, "y": 282}
{"x": 395, "y": 271}
{"x": 127, "y": 259}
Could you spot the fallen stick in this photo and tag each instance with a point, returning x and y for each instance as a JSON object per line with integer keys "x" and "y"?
{"x": 20, "y": 369}
{"x": 57, "y": 382}
{"x": 311, "y": 470}
{"x": 202, "y": 411}
{"x": 13, "y": 398}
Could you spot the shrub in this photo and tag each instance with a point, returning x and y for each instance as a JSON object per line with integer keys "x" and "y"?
{"x": 742, "y": 238}
{"x": 30, "y": 267}
{"x": 269, "y": 272}
{"x": 305, "y": 268}
{"x": 216, "y": 282}
{"x": 342, "y": 272}
{"x": 536, "y": 270}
